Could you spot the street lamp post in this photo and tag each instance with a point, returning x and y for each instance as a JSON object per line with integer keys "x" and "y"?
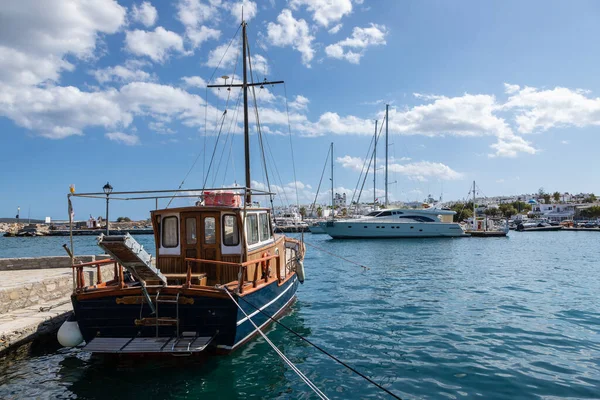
{"x": 107, "y": 190}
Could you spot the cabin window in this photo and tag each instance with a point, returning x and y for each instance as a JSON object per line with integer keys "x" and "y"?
{"x": 170, "y": 232}
{"x": 385, "y": 214}
{"x": 252, "y": 229}
{"x": 190, "y": 230}
{"x": 265, "y": 228}
{"x": 231, "y": 236}
{"x": 209, "y": 230}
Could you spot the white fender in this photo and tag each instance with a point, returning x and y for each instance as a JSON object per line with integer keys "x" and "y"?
{"x": 300, "y": 270}
{"x": 69, "y": 334}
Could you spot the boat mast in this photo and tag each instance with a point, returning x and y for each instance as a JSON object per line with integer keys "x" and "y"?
{"x": 375, "y": 168}
{"x": 248, "y": 199}
{"x": 387, "y": 106}
{"x": 332, "y": 198}
{"x": 474, "y": 209}
{"x": 245, "y": 85}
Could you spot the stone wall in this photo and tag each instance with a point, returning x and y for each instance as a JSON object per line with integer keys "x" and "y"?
{"x": 11, "y": 264}
{"x": 46, "y": 290}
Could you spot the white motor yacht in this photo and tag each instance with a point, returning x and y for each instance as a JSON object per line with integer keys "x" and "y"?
{"x": 397, "y": 223}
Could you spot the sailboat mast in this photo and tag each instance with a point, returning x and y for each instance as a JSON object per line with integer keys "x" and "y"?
{"x": 474, "y": 209}
{"x": 248, "y": 197}
{"x": 387, "y": 106}
{"x": 375, "y": 168}
{"x": 332, "y": 198}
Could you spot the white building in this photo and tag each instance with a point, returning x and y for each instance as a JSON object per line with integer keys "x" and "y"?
{"x": 339, "y": 200}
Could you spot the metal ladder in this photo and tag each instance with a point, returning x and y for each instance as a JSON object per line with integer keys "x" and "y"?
{"x": 157, "y": 319}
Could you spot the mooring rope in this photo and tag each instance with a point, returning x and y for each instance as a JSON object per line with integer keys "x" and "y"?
{"x": 334, "y": 358}
{"x": 335, "y": 255}
{"x": 314, "y": 388}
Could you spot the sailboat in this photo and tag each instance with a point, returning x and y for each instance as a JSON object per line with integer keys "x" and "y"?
{"x": 395, "y": 222}
{"x": 219, "y": 275}
{"x": 484, "y": 227}
{"x": 315, "y": 227}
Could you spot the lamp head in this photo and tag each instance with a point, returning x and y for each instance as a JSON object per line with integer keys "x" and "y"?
{"x": 107, "y": 188}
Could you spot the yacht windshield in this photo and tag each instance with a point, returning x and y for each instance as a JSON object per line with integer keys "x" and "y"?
{"x": 373, "y": 213}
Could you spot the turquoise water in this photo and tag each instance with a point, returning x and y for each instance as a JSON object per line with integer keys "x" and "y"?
{"x": 502, "y": 318}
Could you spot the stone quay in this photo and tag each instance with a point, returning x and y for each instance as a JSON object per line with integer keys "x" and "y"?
{"x": 35, "y": 295}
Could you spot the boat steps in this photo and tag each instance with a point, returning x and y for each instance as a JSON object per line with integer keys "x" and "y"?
{"x": 188, "y": 343}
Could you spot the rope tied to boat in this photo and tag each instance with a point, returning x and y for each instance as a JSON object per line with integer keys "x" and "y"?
{"x": 335, "y": 255}
{"x": 334, "y": 358}
{"x": 311, "y": 385}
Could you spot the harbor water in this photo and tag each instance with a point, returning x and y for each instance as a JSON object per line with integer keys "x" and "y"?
{"x": 501, "y": 318}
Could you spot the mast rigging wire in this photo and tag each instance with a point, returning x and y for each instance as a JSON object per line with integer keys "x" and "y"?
{"x": 369, "y": 167}
{"x": 204, "y": 172}
{"x": 287, "y": 110}
{"x": 312, "y": 207}
{"x": 311, "y": 385}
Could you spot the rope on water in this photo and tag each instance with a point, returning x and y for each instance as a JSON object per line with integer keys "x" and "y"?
{"x": 335, "y": 255}
{"x": 334, "y": 358}
{"x": 314, "y": 388}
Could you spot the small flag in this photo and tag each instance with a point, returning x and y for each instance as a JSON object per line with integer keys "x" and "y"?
{"x": 71, "y": 212}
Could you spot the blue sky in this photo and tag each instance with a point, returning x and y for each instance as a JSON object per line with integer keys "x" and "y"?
{"x": 504, "y": 93}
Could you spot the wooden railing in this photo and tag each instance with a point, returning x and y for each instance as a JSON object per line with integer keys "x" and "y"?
{"x": 80, "y": 280}
{"x": 242, "y": 269}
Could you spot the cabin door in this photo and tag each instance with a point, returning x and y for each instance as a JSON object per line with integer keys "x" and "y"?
{"x": 190, "y": 232}
{"x": 201, "y": 233}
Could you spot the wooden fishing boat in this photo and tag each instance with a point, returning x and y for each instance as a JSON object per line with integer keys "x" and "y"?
{"x": 219, "y": 275}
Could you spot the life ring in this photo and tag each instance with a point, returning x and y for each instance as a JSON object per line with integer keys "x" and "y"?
{"x": 263, "y": 265}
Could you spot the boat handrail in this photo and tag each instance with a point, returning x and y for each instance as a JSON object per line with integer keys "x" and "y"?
{"x": 242, "y": 269}
{"x": 80, "y": 279}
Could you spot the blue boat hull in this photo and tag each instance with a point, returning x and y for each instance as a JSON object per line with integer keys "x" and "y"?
{"x": 120, "y": 316}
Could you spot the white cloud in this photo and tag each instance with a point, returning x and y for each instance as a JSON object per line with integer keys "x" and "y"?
{"x": 193, "y": 14}
{"x": 121, "y": 73}
{"x": 511, "y": 147}
{"x": 157, "y": 44}
{"x": 353, "y": 48}
{"x": 418, "y": 171}
{"x": 145, "y": 14}
{"x": 249, "y": 9}
{"x": 335, "y": 29}
{"x": 564, "y": 142}
{"x": 124, "y": 138}
{"x": 289, "y": 31}
{"x": 159, "y": 126}
{"x": 540, "y": 110}
{"x": 325, "y": 11}
{"x": 194, "y": 81}
{"x": 223, "y": 56}
{"x": 510, "y": 89}
{"x": 299, "y": 103}
{"x": 201, "y": 35}
{"x": 34, "y": 40}
{"x": 162, "y": 101}
{"x": 58, "y": 112}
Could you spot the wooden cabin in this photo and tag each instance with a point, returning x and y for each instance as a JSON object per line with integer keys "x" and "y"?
{"x": 195, "y": 235}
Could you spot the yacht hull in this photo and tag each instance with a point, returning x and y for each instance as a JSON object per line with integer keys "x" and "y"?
{"x": 366, "y": 230}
